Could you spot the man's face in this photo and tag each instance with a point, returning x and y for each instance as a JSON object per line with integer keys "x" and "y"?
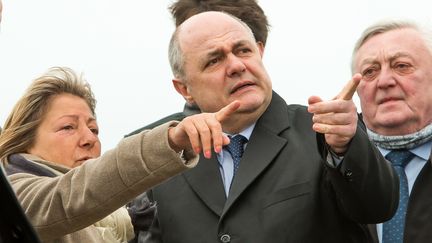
{"x": 396, "y": 90}
{"x": 223, "y": 63}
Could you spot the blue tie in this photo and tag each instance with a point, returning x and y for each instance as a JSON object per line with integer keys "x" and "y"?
{"x": 393, "y": 230}
{"x": 236, "y": 148}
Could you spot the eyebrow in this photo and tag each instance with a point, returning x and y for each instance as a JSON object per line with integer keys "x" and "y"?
{"x": 391, "y": 58}
{"x": 368, "y": 61}
{"x": 240, "y": 44}
{"x": 90, "y": 119}
{"x": 219, "y": 51}
{"x": 215, "y": 53}
{"x": 399, "y": 54}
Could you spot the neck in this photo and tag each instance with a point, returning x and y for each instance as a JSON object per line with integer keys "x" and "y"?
{"x": 235, "y": 125}
{"x": 406, "y": 141}
{"x": 239, "y": 121}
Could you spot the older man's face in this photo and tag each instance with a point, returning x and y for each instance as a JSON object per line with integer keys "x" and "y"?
{"x": 396, "y": 90}
{"x": 223, "y": 63}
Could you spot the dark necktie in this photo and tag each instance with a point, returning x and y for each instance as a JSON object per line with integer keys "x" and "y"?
{"x": 236, "y": 148}
{"x": 393, "y": 230}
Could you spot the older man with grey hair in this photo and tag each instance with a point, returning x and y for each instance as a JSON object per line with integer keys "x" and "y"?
{"x": 395, "y": 59}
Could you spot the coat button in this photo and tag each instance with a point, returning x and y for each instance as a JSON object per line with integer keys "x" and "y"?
{"x": 348, "y": 174}
{"x": 225, "y": 238}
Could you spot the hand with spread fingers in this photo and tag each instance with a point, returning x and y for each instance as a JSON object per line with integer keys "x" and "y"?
{"x": 337, "y": 118}
{"x": 202, "y": 131}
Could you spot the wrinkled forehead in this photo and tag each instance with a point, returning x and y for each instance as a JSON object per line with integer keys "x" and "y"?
{"x": 392, "y": 43}
{"x": 210, "y": 26}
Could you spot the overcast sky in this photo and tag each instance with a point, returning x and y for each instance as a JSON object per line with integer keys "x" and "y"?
{"x": 121, "y": 47}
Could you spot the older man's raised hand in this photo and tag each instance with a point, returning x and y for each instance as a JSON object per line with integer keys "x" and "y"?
{"x": 337, "y": 118}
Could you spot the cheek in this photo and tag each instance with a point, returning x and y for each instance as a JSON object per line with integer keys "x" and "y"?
{"x": 61, "y": 155}
{"x": 361, "y": 92}
{"x": 66, "y": 150}
{"x": 209, "y": 85}
{"x": 367, "y": 99}
{"x": 268, "y": 84}
{"x": 257, "y": 69}
{"x": 366, "y": 91}
{"x": 97, "y": 149}
{"x": 64, "y": 147}
{"x": 57, "y": 149}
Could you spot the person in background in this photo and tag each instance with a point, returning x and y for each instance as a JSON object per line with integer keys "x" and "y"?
{"x": 51, "y": 151}
{"x": 287, "y": 175}
{"x": 395, "y": 59}
{"x": 14, "y": 226}
{"x": 247, "y": 10}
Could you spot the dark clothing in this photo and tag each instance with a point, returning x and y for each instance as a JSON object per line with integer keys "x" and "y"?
{"x": 142, "y": 213}
{"x": 187, "y": 111}
{"x": 284, "y": 190}
{"x": 418, "y": 219}
{"x": 19, "y": 164}
{"x": 14, "y": 226}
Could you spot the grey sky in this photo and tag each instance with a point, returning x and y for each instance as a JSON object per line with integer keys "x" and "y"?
{"x": 121, "y": 47}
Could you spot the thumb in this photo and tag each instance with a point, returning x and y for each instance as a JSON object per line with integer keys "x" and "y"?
{"x": 314, "y": 99}
{"x": 349, "y": 89}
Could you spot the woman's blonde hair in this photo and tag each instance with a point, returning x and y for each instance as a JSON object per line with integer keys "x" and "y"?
{"x": 19, "y": 130}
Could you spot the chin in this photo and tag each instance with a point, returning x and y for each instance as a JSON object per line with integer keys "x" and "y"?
{"x": 252, "y": 107}
{"x": 397, "y": 122}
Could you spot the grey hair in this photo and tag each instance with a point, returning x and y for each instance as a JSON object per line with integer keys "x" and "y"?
{"x": 386, "y": 26}
{"x": 176, "y": 55}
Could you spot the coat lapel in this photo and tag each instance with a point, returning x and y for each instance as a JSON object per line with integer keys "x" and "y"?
{"x": 263, "y": 146}
{"x": 205, "y": 179}
{"x": 372, "y": 228}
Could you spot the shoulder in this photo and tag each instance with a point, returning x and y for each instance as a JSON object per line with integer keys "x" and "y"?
{"x": 173, "y": 117}
{"x": 279, "y": 106}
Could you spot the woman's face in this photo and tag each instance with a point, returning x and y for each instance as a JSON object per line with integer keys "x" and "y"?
{"x": 68, "y": 133}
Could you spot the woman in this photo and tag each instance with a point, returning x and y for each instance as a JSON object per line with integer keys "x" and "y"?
{"x": 51, "y": 149}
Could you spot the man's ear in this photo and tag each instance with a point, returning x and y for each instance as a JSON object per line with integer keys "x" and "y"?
{"x": 261, "y": 48}
{"x": 182, "y": 89}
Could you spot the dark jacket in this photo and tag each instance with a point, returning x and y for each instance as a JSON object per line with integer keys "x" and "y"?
{"x": 188, "y": 110}
{"x": 284, "y": 190}
{"x": 14, "y": 226}
{"x": 418, "y": 221}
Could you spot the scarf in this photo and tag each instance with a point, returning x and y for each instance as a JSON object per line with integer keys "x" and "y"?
{"x": 407, "y": 141}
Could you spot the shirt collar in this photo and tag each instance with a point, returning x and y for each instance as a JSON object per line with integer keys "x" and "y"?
{"x": 423, "y": 151}
{"x": 247, "y": 132}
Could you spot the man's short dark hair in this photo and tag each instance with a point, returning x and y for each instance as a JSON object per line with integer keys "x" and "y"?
{"x": 247, "y": 10}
